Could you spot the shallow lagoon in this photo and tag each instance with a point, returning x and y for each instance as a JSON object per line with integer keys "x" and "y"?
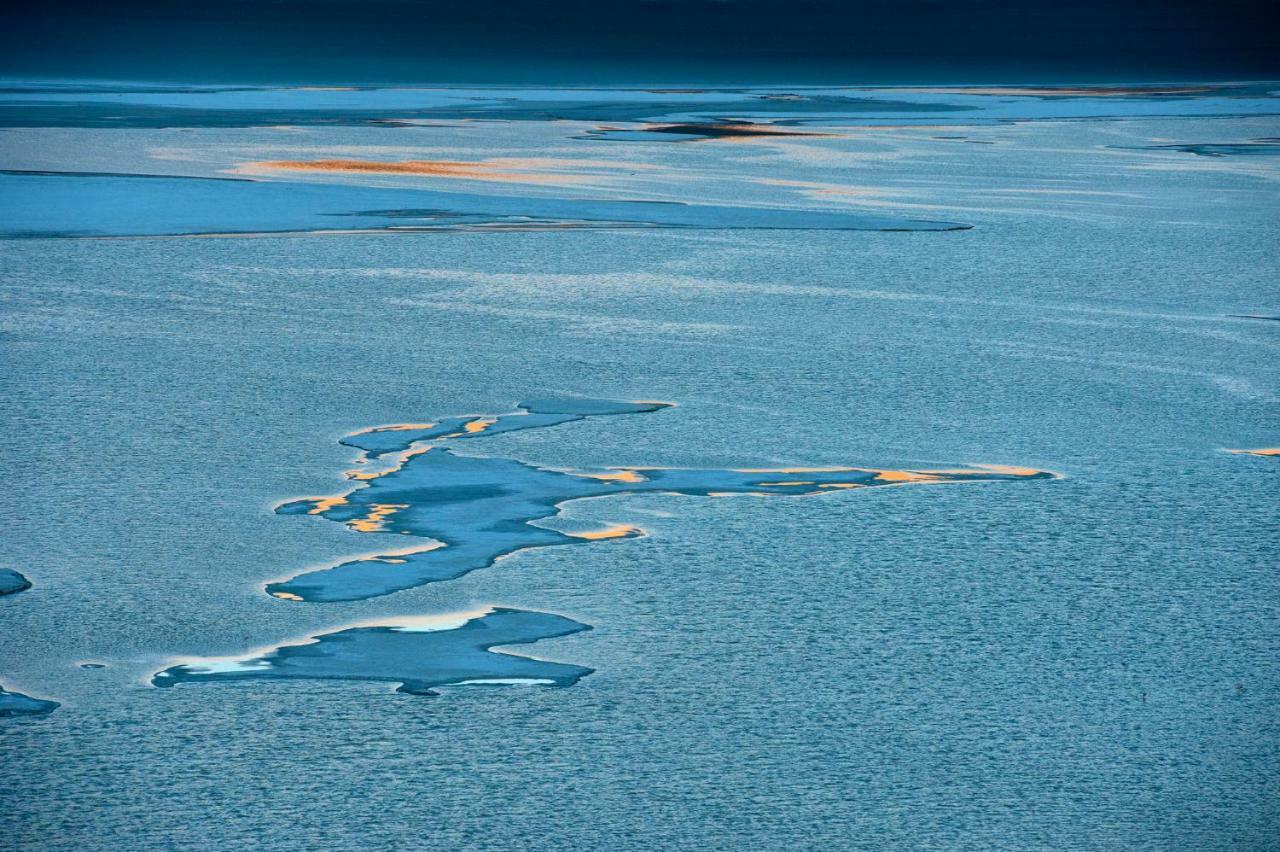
{"x": 1086, "y": 661}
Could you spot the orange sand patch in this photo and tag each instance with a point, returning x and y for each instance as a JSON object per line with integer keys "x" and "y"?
{"x": 397, "y": 462}
{"x": 538, "y": 170}
{"x": 904, "y": 476}
{"x": 324, "y": 504}
{"x": 615, "y": 531}
{"x": 901, "y": 475}
{"x": 396, "y": 427}
{"x": 489, "y": 170}
{"x": 378, "y": 513}
{"x": 614, "y": 476}
{"x": 980, "y": 469}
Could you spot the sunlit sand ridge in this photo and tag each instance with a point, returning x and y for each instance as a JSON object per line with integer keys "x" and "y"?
{"x": 504, "y": 171}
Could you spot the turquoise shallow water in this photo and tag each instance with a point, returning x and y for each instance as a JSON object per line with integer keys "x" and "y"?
{"x": 1083, "y": 662}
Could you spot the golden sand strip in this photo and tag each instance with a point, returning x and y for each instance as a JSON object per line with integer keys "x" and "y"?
{"x": 612, "y": 476}
{"x": 396, "y": 463}
{"x": 506, "y": 171}
{"x": 396, "y": 427}
{"x": 614, "y": 531}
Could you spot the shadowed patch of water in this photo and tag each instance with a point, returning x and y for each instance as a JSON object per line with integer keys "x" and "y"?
{"x": 693, "y": 132}
{"x": 12, "y": 582}
{"x": 463, "y": 512}
{"x": 61, "y": 205}
{"x": 266, "y": 107}
{"x": 17, "y": 704}
{"x": 1254, "y": 147}
{"x": 419, "y": 653}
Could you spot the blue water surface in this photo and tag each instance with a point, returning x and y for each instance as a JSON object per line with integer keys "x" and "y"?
{"x": 1080, "y": 662}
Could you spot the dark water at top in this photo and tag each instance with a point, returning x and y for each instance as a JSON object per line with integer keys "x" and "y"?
{"x": 642, "y": 42}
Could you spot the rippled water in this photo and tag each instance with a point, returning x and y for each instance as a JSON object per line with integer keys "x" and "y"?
{"x": 1079, "y": 662}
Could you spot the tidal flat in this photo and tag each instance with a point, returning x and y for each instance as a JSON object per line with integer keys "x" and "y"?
{"x": 452, "y": 312}
{"x": 472, "y": 511}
